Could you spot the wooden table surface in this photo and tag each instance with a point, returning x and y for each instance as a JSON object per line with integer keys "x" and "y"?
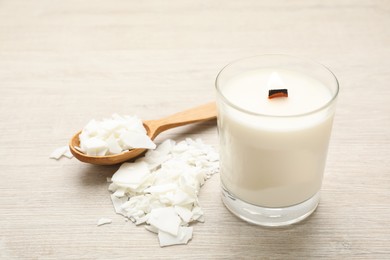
{"x": 63, "y": 63}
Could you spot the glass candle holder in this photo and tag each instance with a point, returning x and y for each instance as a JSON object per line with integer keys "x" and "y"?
{"x": 273, "y": 147}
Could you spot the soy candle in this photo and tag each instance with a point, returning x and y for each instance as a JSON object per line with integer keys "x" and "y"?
{"x": 273, "y": 149}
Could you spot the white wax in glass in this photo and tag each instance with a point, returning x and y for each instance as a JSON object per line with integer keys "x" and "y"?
{"x": 250, "y": 92}
{"x": 274, "y": 161}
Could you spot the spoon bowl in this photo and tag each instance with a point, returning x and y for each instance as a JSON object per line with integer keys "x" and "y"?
{"x": 153, "y": 129}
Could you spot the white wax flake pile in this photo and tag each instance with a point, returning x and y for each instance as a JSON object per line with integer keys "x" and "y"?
{"x": 113, "y": 136}
{"x": 61, "y": 151}
{"x": 161, "y": 189}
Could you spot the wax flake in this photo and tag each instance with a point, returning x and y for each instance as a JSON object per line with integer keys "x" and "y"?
{"x": 160, "y": 190}
{"x": 103, "y": 221}
{"x": 117, "y": 203}
{"x": 131, "y": 175}
{"x": 151, "y": 229}
{"x": 78, "y": 148}
{"x": 112, "y": 187}
{"x": 119, "y": 193}
{"x": 183, "y": 198}
{"x": 68, "y": 154}
{"x": 197, "y": 214}
{"x": 113, "y": 145}
{"x": 184, "y": 213}
{"x": 142, "y": 220}
{"x": 165, "y": 219}
{"x": 154, "y": 158}
{"x": 61, "y": 151}
{"x": 164, "y": 148}
{"x": 164, "y": 188}
{"x": 184, "y": 235}
{"x": 180, "y": 147}
{"x": 93, "y": 146}
{"x": 133, "y": 139}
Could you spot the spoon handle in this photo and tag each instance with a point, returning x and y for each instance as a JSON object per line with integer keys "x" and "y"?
{"x": 193, "y": 115}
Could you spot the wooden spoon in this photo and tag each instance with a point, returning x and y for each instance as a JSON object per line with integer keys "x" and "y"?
{"x": 153, "y": 128}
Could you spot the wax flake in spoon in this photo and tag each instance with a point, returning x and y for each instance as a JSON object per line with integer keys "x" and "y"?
{"x": 160, "y": 190}
{"x": 113, "y": 136}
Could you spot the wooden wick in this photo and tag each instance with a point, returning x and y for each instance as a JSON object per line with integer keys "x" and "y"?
{"x": 275, "y": 93}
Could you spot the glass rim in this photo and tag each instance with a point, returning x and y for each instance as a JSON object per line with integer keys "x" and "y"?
{"x": 227, "y": 101}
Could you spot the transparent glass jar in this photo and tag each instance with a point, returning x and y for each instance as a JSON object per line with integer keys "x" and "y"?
{"x": 273, "y": 151}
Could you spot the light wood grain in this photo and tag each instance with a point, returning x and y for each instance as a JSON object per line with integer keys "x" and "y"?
{"x": 65, "y": 62}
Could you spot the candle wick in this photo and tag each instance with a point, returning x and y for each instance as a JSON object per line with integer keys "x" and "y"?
{"x": 276, "y": 93}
